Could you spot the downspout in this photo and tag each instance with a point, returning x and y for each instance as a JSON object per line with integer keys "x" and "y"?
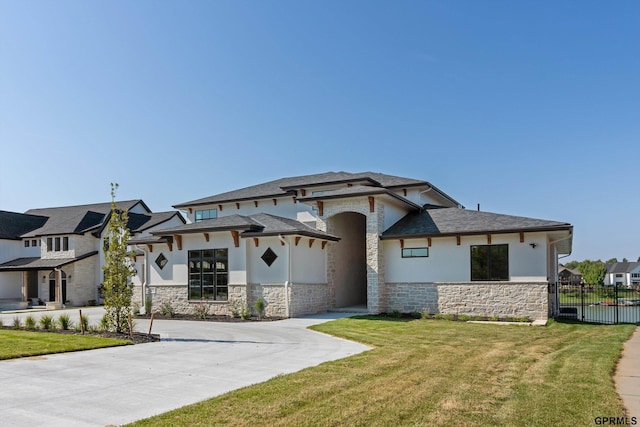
{"x": 144, "y": 282}
{"x": 288, "y": 281}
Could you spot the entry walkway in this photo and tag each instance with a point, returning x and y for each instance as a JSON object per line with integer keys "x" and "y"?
{"x": 194, "y": 361}
{"x": 627, "y": 376}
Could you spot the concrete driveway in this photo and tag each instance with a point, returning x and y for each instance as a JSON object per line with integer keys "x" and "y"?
{"x": 194, "y": 361}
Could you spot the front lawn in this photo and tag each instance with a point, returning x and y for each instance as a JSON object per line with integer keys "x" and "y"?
{"x": 430, "y": 372}
{"x": 15, "y": 344}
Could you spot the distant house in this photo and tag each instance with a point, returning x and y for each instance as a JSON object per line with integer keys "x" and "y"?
{"x": 341, "y": 240}
{"x": 568, "y": 276}
{"x": 55, "y": 254}
{"x": 623, "y": 274}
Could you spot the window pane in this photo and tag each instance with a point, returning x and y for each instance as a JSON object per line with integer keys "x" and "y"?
{"x": 207, "y": 254}
{"x": 49, "y": 244}
{"x": 479, "y": 265}
{"x": 57, "y": 244}
{"x": 499, "y": 262}
{"x": 26, "y": 243}
{"x": 222, "y": 293}
{"x": 415, "y": 252}
{"x": 65, "y": 243}
{"x": 221, "y": 253}
{"x": 207, "y": 266}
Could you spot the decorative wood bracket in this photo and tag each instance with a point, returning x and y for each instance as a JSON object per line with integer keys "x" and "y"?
{"x": 324, "y": 243}
{"x": 401, "y": 243}
{"x": 150, "y": 247}
{"x": 256, "y": 241}
{"x": 488, "y": 239}
{"x": 178, "y": 240}
{"x": 206, "y": 237}
{"x": 275, "y": 202}
{"x": 320, "y": 208}
{"x": 170, "y": 246}
{"x": 255, "y": 202}
{"x": 521, "y": 237}
{"x": 237, "y": 205}
{"x": 297, "y": 240}
{"x": 458, "y": 240}
{"x": 220, "y": 208}
{"x": 371, "y": 204}
{"x": 303, "y": 192}
{"x": 311, "y": 242}
{"x": 236, "y": 238}
{"x": 429, "y": 241}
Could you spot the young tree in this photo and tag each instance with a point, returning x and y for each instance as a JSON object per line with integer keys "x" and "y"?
{"x": 612, "y": 261}
{"x": 118, "y": 269}
{"x": 593, "y": 272}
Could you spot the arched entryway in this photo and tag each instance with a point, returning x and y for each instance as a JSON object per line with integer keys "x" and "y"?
{"x": 348, "y": 266}
{"x": 52, "y": 286}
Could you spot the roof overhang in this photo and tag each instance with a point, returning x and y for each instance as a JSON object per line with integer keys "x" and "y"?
{"x": 311, "y": 234}
{"x": 375, "y": 191}
{"x": 235, "y": 200}
{"x": 36, "y": 263}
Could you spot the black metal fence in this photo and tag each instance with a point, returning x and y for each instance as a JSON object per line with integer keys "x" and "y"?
{"x": 598, "y": 304}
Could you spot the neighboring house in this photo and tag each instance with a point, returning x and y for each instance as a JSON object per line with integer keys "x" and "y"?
{"x": 56, "y": 254}
{"x": 568, "y": 276}
{"x": 341, "y": 240}
{"x": 624, "y": 274}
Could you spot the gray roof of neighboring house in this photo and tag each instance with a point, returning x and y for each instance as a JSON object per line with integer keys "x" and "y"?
{"x": 287, "y": 186}
{"x": 622, "y": 267}
{"x": 252, "y": 226}
{"x": 13, "y": 225}
{"x": 436, "y": 222}
{"x": 75, "y": 219}
{"x": 562, "y": 268}
{"x": 37, "y": 263}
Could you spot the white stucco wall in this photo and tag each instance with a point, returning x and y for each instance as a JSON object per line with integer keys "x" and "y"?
{"x": 448, "y": 262}
{"x": 258, "y": 271}
{"x": 309, "y": 265}
{"x": 393, "y": 213}
{"x": 12, "y": 249}
{"x": 285, "y": 208}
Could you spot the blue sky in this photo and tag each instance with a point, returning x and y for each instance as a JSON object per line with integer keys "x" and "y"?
{"x": 528, "y": 108}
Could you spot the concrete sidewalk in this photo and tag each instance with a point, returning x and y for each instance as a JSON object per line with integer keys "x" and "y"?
{"x": 193, "y": 362}
{"x": 627, "y": 377}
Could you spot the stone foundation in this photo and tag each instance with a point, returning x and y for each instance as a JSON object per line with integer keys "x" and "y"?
{"x": 502, "y": 299}
{"x": 304, "y": 299}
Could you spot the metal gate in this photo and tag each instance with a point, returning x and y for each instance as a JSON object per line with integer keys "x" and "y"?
{"x": 598, "y": 304}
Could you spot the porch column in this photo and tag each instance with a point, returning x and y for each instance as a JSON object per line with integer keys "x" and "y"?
{"x": 58, "y": 278}
{"x": 25, "y": 285}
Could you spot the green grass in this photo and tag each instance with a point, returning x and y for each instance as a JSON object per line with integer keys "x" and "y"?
{"x": 14, "y": 344}
{"x": 436, "y": 373}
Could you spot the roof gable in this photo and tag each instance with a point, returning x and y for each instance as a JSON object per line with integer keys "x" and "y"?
{"x": 13, "y": 225}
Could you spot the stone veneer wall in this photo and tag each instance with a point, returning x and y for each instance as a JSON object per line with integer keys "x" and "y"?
{"x": 308, "y": 299}
{"x": 503, "y": 299}
{"x": 304, "y": 299}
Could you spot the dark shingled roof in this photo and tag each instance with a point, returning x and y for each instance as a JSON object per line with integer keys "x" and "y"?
{"x": 287, "y": 186}
{"x": 276, "y": 225}
{"x": 356, "y": 190}
{"x": 13, "y": 225}
{"x": 455, "y": 221}
{"x": 622, "y": 267}
{"x": 253, "y": 226}
{"x": 37, "y": 263}
{"x": 75, "y": 219}
{"x": 231, "y": 222}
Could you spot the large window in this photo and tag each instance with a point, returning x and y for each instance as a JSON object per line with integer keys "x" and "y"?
{"x": 490, "y": 262}
{"x": 415, "y": 252}
{"x": 201, "y": 215}
{"x": 209, "y": 274}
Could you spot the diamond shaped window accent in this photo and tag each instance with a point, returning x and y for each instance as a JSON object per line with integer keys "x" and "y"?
{"x": 269, "y": 257}
{"x": 161, "y": 261}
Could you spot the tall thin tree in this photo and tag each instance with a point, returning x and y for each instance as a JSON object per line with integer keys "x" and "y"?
{"x": 118, "y": 268}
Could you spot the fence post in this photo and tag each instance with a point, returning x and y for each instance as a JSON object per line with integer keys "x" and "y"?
{"x": 81, "y": 324}
{"x": 582, "y": 300}
{"x": 616, "y": 301}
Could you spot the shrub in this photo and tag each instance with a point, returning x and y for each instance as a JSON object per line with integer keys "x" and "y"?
{"x": 136, "y": 309}
{"x": 395, "y": 314}
{"x": 426, "y": 314}
{"x": 84, "y": 322}
{"x": 259, "y": 306}
{"x": 523, "y": 319}
{"x": 245, "y": 312}
{"x": 493, "y": 318}
{"x": 415, "y": 314}
{"x": 17, "y": 322}
{"x": 166, "y": 308}
{"x": 65, "y": 322}
{"x": 201, "y": 311}
{"x": 30, "y": 322}
{"x": 104, "y": 323}
{"x": 148, "y": 304}
{"x": 235, "y": 309}
{"x": 47, "y": 323}
{"x": 464, "y": 317}
{"x": 1, "y": 322}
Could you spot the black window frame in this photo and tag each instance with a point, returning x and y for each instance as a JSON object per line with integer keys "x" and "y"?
{"x": 489, "y": 266}
{"x": 65, "y": 243}
{"x": 208, "y": 216}
{"x": 208, "y": 274}
{"x": 27, "y": 243}
{"x": 409, "y": 252}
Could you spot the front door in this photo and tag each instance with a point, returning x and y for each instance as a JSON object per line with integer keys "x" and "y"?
{"x": 52, "y": 286}
{"x": 32, "y": 285}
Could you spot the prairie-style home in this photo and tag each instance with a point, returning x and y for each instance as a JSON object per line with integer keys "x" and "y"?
{"x": 342, "y": 240}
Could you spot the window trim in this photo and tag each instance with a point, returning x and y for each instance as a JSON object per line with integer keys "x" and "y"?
{"x": 488, "y": 262}
{"x": 214, "y": 259}
{"x": 408, "y": 252}
{"x": 202, "y": 211}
